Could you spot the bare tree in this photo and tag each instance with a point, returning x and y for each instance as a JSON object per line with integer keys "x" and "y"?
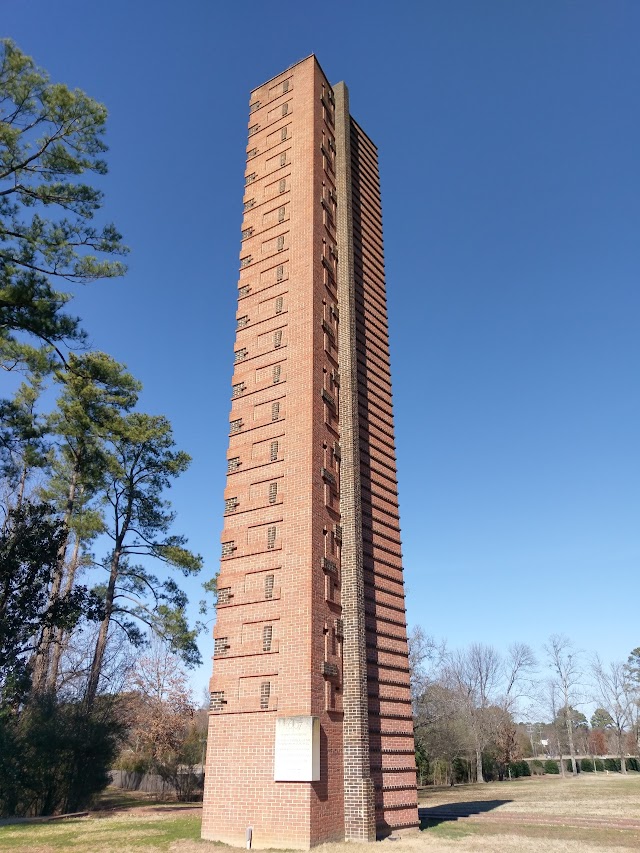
{"x": 614, "y": 692}
{"x": 565, "y": 663}
{"x": 485, "y": 681}
{"x": 441, "y": 728}
{"x": 518, "y": 669}
{"x": 474, "y": 673}
{"x": 426, "y": 656}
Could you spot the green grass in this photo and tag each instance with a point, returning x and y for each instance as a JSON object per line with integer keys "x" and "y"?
{"x": 102, "y": 835}
{"x": 448, "y": 829}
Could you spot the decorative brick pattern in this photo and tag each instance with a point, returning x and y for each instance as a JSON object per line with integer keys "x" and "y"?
{"x": 231, "y": 504}
{"x": 228, "y": 548}
{"x": 268, "y": 586}
{"x": 389, "y": 705}
{"x": 220, "y": 646}
{"x": 359, "y": 802}
{"x": 216, "y": 700}
{"x": 327, "y": 476}
{"x": 329, "y": 566}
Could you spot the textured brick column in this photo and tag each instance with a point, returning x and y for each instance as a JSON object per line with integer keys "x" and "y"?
{"x": 359, "y": 808}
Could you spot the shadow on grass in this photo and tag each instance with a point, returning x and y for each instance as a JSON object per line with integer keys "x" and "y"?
{"x": 447, "y": 812}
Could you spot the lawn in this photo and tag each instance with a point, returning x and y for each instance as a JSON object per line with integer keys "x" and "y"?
{"x": 122, "y": 822}
{"x": 590, "y": 814}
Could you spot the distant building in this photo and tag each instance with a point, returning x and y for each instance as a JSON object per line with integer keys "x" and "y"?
{"x": 311, "y": 733}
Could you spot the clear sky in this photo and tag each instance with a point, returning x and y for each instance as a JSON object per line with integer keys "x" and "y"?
{"x": 509, "y": 139}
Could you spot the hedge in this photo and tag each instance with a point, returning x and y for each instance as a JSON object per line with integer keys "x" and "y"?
{"x": 519, "y": 768}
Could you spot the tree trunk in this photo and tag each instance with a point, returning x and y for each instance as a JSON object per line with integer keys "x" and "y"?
{"x": 43, "y": 652}
{"x": 101, "y": 643}
{"x": 623, "y": 763}
{"x": 21, "y": 487}
{"x": 58, "y": 638}
{"x": 479, "y": 776}
{"x": 559, "y": 749}
{"x": 572, "y": 751}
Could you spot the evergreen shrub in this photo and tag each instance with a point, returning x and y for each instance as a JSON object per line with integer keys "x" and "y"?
{"x": 55, "y": 756}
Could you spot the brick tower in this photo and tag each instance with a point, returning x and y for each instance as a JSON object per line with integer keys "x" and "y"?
{"x": 310, "y": 730}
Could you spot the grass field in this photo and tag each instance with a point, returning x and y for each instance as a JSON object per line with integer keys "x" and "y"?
{"x": 590, "y": 814}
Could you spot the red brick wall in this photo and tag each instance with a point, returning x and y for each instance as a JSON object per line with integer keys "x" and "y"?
{"x": 279, "y": 632}
{"x": 391, "y": 744}
{"x": 277, "y": 518}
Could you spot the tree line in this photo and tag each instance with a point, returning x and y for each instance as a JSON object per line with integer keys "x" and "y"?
{"x": 88, "y": 549}
{"x": 478, "y": 712}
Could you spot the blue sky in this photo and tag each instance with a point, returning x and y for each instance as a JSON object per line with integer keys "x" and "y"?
{"x": 509, "y": 134}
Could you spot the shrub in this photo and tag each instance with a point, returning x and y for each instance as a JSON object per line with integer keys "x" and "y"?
{"x": 537, "y": 767}
{"x": 130, "y": 762}
{"x": 599, "y": 765}
{"x": 489, "y": 768}
{"x": 461, "y": 770}
{"x": 586, "y": 765}
{"x": 55, "y": 757}
{"x": 633, "y": 764}
{"x": 612, "y": 765}
{"x": 551, "y": 767}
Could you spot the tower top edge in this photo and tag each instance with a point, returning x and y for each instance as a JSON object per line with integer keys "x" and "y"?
{"x": 289, "y": 67}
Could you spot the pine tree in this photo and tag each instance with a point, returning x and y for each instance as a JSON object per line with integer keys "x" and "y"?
{"x": 50, "y": 138}
{"x": 142, "y": 464}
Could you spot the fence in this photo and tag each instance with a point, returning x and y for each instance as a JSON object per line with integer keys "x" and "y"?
{"x": 152, "y": 783}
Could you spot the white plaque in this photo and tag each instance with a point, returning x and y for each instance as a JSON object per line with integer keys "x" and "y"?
{"x": 297, "y": 753}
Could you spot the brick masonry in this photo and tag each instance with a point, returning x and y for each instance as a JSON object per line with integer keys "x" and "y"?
{"x": 311, "y": 604}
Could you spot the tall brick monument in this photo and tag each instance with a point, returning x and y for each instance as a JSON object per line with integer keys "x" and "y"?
{"x": 310, "y": 730}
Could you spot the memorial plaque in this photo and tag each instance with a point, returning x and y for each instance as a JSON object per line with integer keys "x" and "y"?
{"x": 297, "y": 749}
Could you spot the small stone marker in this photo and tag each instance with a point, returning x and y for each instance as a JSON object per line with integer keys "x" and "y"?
{"x": 297, "y": 749}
